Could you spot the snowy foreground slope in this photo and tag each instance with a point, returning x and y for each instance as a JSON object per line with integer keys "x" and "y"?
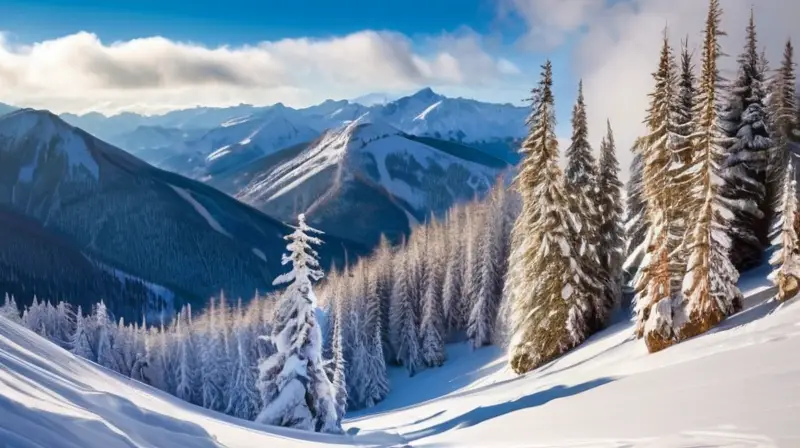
{"x": 738, "y": 386}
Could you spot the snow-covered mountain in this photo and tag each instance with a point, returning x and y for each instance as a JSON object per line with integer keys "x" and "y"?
{"x": 363, "y": 179}
{"x": 733, "y": 387}
{"x": 105, "y": 205}
{"x": 493, "y": 128}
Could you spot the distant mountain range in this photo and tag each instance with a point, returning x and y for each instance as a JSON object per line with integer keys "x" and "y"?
{"x": 363, "y": 179}
{"x": 83, "y": 220}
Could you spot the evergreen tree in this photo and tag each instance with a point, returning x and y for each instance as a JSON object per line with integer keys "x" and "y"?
{"x": 493, "y": 264}
{"x": 636, "y": 227}
{"x": 9, "y": 310}
{"x": 454, "y": 290}
{"x": 653, "y": 283}
{"x": 431, "y": 340}
{"x": 186, "y": 374}
{"x": 377, "y": 383}
{"x": 786, "y": 258}
{"x": 550, "y": 312}
{"x": 610, "y": 231}
{"x": 383, "y": 272}
{"x": 105, "y": 356}
{"x": 402, "y": 319}
{"x": 709, "y": 287}
{"x": 747, "y": 156}
{"x": 338, "y": 363}
{"x": 80, "y": 340}
{"x": 294, "y": 388}
{"x": 243, "y": 401}
{"x": 581, "y": 186}
{"x": 784, "y": 126}
{"x": 212, "y": 357}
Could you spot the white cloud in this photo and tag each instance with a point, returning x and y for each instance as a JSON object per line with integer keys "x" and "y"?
{"x": 80, "y": 72}
{"x": 618, "y": 48}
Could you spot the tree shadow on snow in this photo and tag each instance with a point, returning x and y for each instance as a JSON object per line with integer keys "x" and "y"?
{"x": 485, "y": 413}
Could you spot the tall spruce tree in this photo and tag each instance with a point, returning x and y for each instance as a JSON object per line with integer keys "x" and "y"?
{"x": 745, "y": 122}
{"x": 550, "y": 312}
{"x": 653, "y": 283}
{"x": 785, "y": 260}
{"x": 709, "y": 287}
{"x": 635, "y": 217}
{"x": 294, "y": 387}
{"x": 403, "y": 329}
{"x": 784, "y": 125}
{"x": 581, "y": 186}
{"x": 611, "y": 232}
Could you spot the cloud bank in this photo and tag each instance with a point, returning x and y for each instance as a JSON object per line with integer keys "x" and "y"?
{"x": 80, "y": 72}
{"x": 617, "y": 47}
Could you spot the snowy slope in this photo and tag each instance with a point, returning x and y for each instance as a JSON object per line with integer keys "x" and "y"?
{"x": 738, "y": 386}
{"x": 51, "y": 399}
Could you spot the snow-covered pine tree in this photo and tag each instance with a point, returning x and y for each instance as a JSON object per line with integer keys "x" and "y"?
{"x": 610, "y": 230}
{"x": 293, "y": 385}
{"x": 635, "y": 217}
{"x": 493, "y": 265}
{"x": 103, "y": 327}
{"x": 653, "y": 283}
{"x": 784, "y": 125}
{"x": 473, "y": 234}
{"x": 377, "y": 385}
{"x": 581, "y": 186}
{"x": 382, "y": 261}
{"x": 550, "y": 313}
{"x": 212, "y": 356}
{"x": 454, "y": 289}
{"x": 143, "y": 349}
{"x": 186, "y": 373}
{"x": 337, "y": 362}
{"x": 785, "y": 260}
{"x": 80, "y": 339}
{"x": 244, "y": 400}
{"x": 9, "y": 310}
{"x": 431, "y": 340}
{"x": 679, "y": 170}
{"x": 403, "y": 330}
{"x": 709, "y": 287}
{"x": 745, "y": 166}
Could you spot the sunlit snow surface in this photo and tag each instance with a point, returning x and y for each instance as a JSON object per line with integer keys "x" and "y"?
{"x": 738, "y": 386}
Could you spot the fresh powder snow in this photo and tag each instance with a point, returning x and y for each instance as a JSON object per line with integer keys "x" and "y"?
{"x": 735, "y": 386}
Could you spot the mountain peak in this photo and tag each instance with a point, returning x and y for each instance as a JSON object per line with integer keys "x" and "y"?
{"x": 427, "y": 92}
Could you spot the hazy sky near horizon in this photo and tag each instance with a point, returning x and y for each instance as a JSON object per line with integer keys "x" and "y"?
{"x": 151, "y": 56}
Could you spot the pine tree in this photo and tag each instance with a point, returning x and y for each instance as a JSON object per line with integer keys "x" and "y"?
{"x": 402, "y": 319}
{"x": 431, "y": 340}
{"x": 550, "y": 312}
{"x": 212, "y": 357}
{"x": 747, "y": 156}
{"x": 784, "y": 126}
{"x": 493, "y": 265}
{"x": 709, "y": 287}
{"x": 294, "y": 388}
{"x": 581, "y": 186}
{"x": 636, "y": 227}
{"x": 383, "y": 271}
{"x": 80, "y": 340}
{"x": 786, "y": 258}
{"x": 9, "y": 310}
{"x": 186, "y": 373}
{"x": 653, "y": 283}
{"x": 610, "y": 230}
{"x": 377, "y": 383}
{"x": 243, "y": 401}
{"x": 105, "y": 356}
{"x": 338, "y": 378}
{"x": 454, "y": 290}
{"x": 679, "y": 171}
